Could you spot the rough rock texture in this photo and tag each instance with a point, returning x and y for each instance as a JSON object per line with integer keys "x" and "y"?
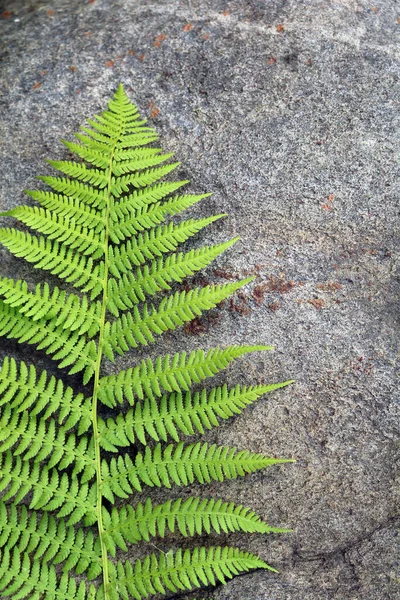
{"x": 287, "y": 111}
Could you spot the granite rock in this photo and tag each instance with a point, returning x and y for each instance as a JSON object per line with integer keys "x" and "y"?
{"x": 287, "y": 112}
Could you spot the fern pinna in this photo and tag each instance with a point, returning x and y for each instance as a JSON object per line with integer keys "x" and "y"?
{"x": 67, "y": 475}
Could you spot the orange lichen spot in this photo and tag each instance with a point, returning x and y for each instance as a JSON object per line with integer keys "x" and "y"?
{"x": 131, "y": 52}
{"x": 195, "y": 327}
{"x": 279, "y": 284}
{"x": 72, "y": 68}
{"x": 328, "y": 204}
{"x": 271, "y": 60}
{"x": 110, "y": 63}
{"x": 187, "y": 27}
{"x": 50, "y": 12}
{"x": 205, "y": 36}
{"x": 36, "y": 85}
{"x": 160, "y": 38}
{"x": 226, "y": 13}
{"x": 280, "y": 28}
{"x": 317, "y": 303}
{"x": 329, "y": 286}
{"x": 92, "y": 1}
{"x": 240, "y": 307}
{"x": 141, "y": 57}
{"x": 274, "y": 306}
{"x": 88, "y": 33}
{"x": 224, "y": 274}
{"x": 398, "y": 20}
{"x": 374, "y": 9}
{"x": 6, "y": 14}
{"x": 154, "y": 110}
{"x": 258, "y": 294}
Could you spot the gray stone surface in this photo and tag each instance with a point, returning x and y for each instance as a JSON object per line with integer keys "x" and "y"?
{"x": 287, "y": 111}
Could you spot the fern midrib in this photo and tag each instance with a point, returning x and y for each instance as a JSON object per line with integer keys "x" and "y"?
{"x": 96, "y": 385}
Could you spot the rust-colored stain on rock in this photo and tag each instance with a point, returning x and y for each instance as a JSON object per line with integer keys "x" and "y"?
{"x": 160, "y": 38}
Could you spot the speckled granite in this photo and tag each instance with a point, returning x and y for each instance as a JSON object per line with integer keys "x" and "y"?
{"x": 287, "y": 111}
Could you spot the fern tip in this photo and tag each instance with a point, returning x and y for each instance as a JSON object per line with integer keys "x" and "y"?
{"x": 286, "y": 383}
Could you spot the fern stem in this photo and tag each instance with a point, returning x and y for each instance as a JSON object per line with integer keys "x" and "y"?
{"x": 96, "y": 385}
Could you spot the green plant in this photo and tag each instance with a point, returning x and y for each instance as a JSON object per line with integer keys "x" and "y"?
{"x": 62, "y": 466}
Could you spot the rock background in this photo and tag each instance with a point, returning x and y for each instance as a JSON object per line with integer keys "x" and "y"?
{"x": 287, "y": 111}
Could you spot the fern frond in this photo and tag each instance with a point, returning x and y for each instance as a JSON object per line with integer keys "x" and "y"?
{"x": 174, "y": 374}
{"x": 153, "y": 244}
{"x": 182, "y": 570}
{"x": 87, "y": 241}
{"x": 80, "y": 172}
{"x": 101, "y": 229}
{"x": 127, "y": 141}
{"x": 21, "y": 388}
{"x": 132, "y": 122}
{"x": 50, "y": 490}
{"x": 139, "y": 179}
{"x": 134, "y": 134}
{"x": 57, "y": 258}
{"x": 77, "y": 191}
{"x": 133, "y": 288}
{"x": 190, "y": 517}
{"x": 180, "y": 465}
{"x": 128, "y": 331}
{"x": 21, "y": 578}
{"x": 68, "y": 310}
{"x": 135, "y": 140}
{"x": 127, "y": 166}
{"x": 68, "y": 347}
{"x": 139, "y": 199}
{"x": 151, "y": 215}
{"x": 177, "y": 413}
{"x": 38, "y": 438}
{"x": 99, "y": 154}
{"x": 70, "y": 208}
{"x": 49, "y": 539}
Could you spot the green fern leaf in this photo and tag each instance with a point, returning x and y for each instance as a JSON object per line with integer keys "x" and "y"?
{"x": 56, "y": 258}
{"x": 37, "y": 438}
{"x": 70, "y": 208}
{"x": 148, "y": 216}
{"x": 103, "y": 229}
{"x": 58, "y": 227}
{"x": 95, "y": 198}
{"x": 69, "y": 310}
{"x": 50, "y": 490}
{"x": 190, "y": 517}
{"x": 69, "y": 347}
{"x": 132, "y": 288}
{"x": 20, "y": 578}
{"x": 129, "y": 330}
{"x": 140, "y": 199}
{"x": 180, "y": 372}
{"x": 183, "y": 570}
{"x": 49, "y": 539}
{"x": 180, "y": 465}
{"x": 177, "y": 413}
{"x": 157, "y": 242}
{"x": 22, "y": 389}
